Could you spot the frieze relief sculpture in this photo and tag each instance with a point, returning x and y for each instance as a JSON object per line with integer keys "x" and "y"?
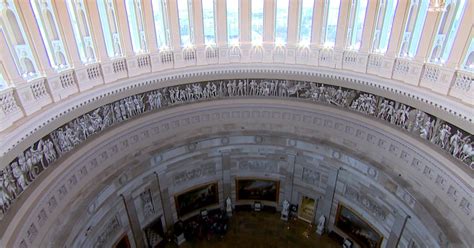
{"x": 27, "y": 165}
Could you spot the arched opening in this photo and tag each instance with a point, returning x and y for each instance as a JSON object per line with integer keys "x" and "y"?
{"x": 15, "y": 28}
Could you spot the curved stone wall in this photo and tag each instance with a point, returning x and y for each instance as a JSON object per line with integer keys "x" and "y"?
{"x": 29, "y": 164}
{"x": 419, "y": 180}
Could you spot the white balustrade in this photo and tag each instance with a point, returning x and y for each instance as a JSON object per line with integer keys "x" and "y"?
{"x": 437, "y": 78}
{"x": 35, "y": 94}
{"x": 462, "y": 87}
{"x": 9, "y": 109}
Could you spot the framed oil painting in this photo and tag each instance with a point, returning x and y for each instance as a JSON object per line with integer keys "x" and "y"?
{"x": 197, "y": 198}
{"x": 357, "y": 228}
{"x": 257, "y": 189}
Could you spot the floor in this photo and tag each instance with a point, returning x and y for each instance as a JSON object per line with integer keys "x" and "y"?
{"x": 262, "y": 229}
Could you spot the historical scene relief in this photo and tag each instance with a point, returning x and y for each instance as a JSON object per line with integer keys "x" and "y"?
{"x": 357, "y": 228}
{"x": 257, "y": 189}
{"x": 197, "y": 198}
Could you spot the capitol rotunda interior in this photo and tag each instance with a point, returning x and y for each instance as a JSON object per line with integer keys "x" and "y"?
{"x": 134, "y": 123}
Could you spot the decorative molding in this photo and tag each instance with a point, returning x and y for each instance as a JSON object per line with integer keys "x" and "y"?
{"x": 191, "y": 174}
{"x": 259, "y": 165}
{"x": 366, "y": 202}
{"x": 21, "y": 172}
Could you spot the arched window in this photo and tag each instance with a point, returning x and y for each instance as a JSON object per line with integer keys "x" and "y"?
{"x": 331, "y": 16}
{"x": 468, "y": 63}
{"x": 185, "y": 17}
{"x": 306, "y": 21}
{"x": 257, "y": 21}
{"x": 136, "y": 25}
{"x": 45, "y": 17}
{"x": 232, "y": 8}
{"x": 160, "y": 17}
{"x": 447, "y": 30}
{"x": 17, "y": 40}
{"x": 383, "y": 25}
{"x": 281, "y": 21}
{"x": 413, "y": 27}
{"x": 108, "y": 20}
{"x": 80, "y": 25}
{"x": 356, "y": 23}
{"x": 209, "y": 21}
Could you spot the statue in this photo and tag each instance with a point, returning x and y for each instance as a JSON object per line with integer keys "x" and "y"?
{"x": 228, "y": 206}
{"x": 285, "y": 210}
{"x": 320, "y": 227}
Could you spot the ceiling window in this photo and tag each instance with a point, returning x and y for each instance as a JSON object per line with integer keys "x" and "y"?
{"x": 209, "y": 21}
{"x": 232, "y": 21}
{"x": 413, "y": 27}
{"x": 356, "y": 23}
{"x": 257, "y": 21}
{"x": 46, "y": 18}
{"x": 17, "y": 41}
{"x": 160, "y": 19}
{"x": 331, "y": 16}
{"x": 383, "y": 26}
{"x": 82, "y": 33}
{"x": 281, "y": 21}
{"x": 447, "y": 29}
{"x": 108, "y": 21}
{"x": 306, "y": 21}
{"x": 185, "y": 8}
{"x": 136, "y": 25}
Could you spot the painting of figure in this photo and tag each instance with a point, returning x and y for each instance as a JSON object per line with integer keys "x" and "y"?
{"x": 357, "y": 228}
{"x": 197, "y": 198}
{"x": 257, "y": 189}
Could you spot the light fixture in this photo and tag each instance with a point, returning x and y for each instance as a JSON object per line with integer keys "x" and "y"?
{"x": 437, "y": 6}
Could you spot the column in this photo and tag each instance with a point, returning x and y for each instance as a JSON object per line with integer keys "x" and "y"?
{"x": 398, "y": 26}
{"x": 269, "y": 10}
{"x": 226, "y": 175}
{"x": 318, "y": 18}
{"x": 221, "y": 23}
{"x": 175, "y": 40}
{"x": 151, "y": 35}
{"x": 325, "y": 205}
{"x": 293, "y": 27}
{"x": 397, "y": 229}
{"x": 150, "y": 30}
{"x": 36, "y": 41}
{"x": 427, "y": 36}
{"x": 124, "y": 29}
{"x": 69, "y": 40}
{"x": 370, "y": 17}
{"x": 133, "y": 220}
{"x": 96, "y": 29}
{"x": 462, "y": 37}
{"x": 198, "y": 26}
{"x": 245, "y": 22}
{"x": 197, "y": 23}
{"x": 12, "y": 76}
{"x": 289, "y": 173}
{"x": 269, "y": 21}
{"x": 293, "y": 31}
{"x": 341, "y": 33}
